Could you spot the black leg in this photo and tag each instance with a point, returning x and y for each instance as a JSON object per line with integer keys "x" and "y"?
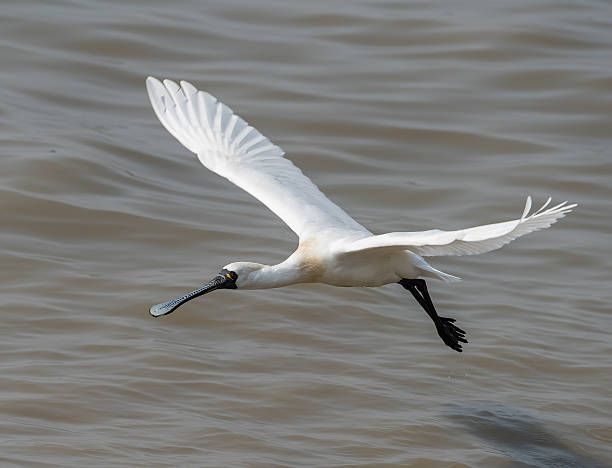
{"x": 451, "y": 334}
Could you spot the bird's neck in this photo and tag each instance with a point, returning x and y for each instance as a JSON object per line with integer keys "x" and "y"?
{"x": 276, "y": 276}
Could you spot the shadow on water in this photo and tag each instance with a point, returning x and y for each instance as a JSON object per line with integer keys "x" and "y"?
{"x": 519, "y": 436}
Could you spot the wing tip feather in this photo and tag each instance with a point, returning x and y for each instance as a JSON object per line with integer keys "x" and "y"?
{"x": 527, "y": 207}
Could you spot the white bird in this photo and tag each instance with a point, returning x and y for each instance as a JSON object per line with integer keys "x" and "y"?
{"x": 333, "y": 248}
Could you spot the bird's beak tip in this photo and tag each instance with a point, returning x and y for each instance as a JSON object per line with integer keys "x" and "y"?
{"x": 158, "y": 310}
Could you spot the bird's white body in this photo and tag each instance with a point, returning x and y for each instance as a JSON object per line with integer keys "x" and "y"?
{"x": 333, "y": 248}
{"x": 315, "y": 261}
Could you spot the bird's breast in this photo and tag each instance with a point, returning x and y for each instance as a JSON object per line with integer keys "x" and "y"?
{"x": 311, "y": 257}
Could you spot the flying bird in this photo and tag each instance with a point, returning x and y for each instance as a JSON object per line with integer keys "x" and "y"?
{"x": 333, "y": 248}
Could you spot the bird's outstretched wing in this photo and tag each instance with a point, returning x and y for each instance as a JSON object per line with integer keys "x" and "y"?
{"x": 228, "y": 146}
{"x": 469, "y": 241}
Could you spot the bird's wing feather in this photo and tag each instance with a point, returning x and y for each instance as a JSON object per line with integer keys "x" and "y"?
{"x": 228, "y": 146}
{"x": 476, "y": 240}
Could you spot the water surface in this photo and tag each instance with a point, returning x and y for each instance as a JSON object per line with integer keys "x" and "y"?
{"x": 410, "y": 115}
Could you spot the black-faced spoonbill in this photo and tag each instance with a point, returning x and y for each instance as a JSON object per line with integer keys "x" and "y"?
{"x": 333, "y": 248}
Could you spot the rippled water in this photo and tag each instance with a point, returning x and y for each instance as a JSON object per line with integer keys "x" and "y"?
{"x": 410, "y": 115}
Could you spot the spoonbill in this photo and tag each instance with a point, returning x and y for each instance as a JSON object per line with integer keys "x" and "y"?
{"x": 333, "y": 248}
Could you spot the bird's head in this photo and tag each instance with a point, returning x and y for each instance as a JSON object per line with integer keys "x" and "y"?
{"x": 247, "y": 274}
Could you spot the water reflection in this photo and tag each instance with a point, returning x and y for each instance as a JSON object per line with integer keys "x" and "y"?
{"x": 520, "y": 436}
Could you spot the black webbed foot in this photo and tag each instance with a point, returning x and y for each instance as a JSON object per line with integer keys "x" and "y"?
{"x": 450, "y": 333}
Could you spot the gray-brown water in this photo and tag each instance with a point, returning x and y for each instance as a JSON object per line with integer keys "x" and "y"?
{"x": 410, "y": 115}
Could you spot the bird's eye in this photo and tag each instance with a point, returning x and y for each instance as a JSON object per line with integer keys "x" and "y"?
{"x": 231, "y": 275}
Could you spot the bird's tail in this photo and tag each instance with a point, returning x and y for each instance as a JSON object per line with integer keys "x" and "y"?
{"x": 431, "y": 272}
